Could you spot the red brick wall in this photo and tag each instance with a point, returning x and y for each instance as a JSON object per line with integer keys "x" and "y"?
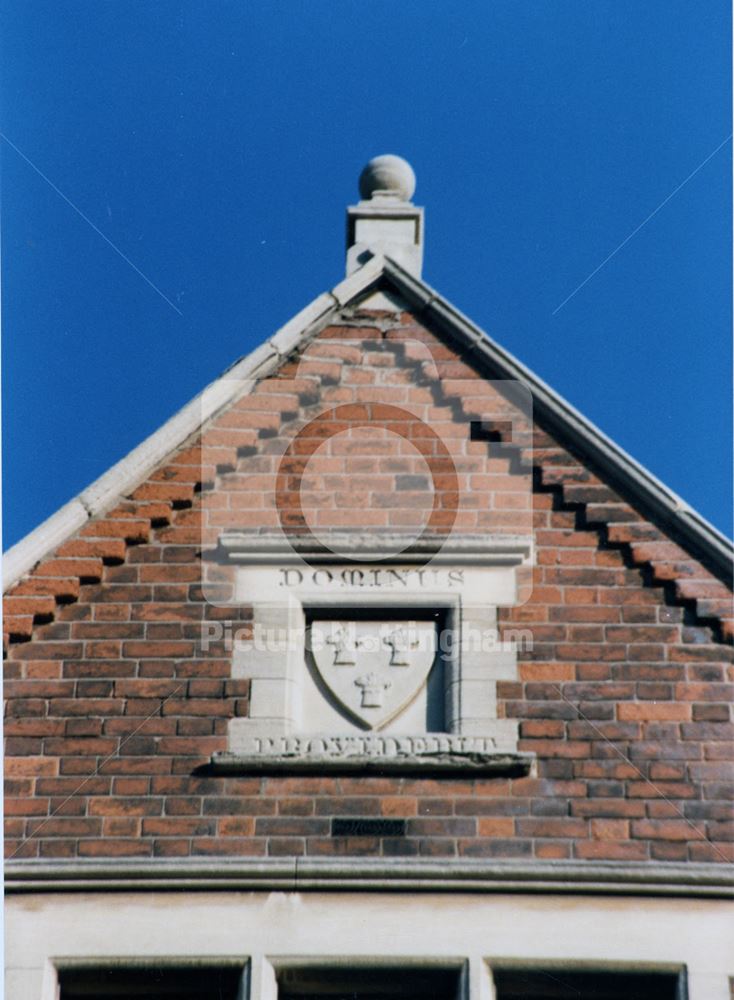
{"x": 625, "y": 696}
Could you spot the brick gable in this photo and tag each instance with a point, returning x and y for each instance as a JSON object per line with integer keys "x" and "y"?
{"x": 113, "y": 707}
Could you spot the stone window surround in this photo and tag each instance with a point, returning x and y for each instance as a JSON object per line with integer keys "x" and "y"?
{"x": 268, "y": 978}
{"x": 263, "y": 932}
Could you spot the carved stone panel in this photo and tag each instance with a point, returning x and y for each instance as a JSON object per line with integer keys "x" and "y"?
{"x": 388, "y": 660}
{"x": 372, "y": 669}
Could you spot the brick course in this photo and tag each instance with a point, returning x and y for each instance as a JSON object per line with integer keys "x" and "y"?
{"x": 113, "y": 706}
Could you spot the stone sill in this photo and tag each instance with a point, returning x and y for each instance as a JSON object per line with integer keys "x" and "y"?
{"x": 473, "y": 764}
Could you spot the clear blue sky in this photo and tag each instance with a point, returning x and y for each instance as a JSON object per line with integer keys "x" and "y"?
{"x": 216, "y": 145}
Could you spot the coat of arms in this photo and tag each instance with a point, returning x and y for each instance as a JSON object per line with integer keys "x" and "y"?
{"x": 373, "y": 669}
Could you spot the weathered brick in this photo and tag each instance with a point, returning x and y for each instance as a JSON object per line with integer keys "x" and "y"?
{"x": 653, "y": 710}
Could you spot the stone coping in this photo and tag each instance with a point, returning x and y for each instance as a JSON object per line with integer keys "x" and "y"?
{"x": 645, "y": 489}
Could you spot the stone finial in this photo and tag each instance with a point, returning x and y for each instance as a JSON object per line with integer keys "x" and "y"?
{"x": 386, "y": 221}
{"x": 387, "y": 175}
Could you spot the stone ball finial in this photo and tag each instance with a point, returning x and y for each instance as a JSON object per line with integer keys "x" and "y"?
{"x": 387, "y": 174}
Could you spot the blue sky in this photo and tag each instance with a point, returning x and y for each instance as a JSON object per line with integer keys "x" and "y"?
{"x": 216, "y": 146}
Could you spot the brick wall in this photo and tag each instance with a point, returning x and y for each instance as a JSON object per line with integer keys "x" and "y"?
{"x": 113, "y": 704}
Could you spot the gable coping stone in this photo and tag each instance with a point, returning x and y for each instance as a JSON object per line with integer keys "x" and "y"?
{"x": 120, "y": 480}
{"x": 123, "y": 477}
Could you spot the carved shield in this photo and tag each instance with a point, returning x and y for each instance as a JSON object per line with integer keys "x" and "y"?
{"x": 373, "y": 669}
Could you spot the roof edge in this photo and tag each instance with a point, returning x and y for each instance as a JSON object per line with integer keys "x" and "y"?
{"x": 646, "y": 489}
{"x": 123, "y": 477}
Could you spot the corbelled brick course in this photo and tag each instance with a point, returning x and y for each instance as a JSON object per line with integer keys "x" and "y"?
{"x": 114, "y": 707}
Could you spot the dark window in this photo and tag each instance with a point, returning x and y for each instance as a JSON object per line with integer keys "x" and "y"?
{"x": 384, "y": 983}
{"x": 195, "y": 982}
{"x": 558, "y": 984}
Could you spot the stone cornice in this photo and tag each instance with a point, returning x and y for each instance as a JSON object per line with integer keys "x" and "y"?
{"x": 371, "y": 875}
